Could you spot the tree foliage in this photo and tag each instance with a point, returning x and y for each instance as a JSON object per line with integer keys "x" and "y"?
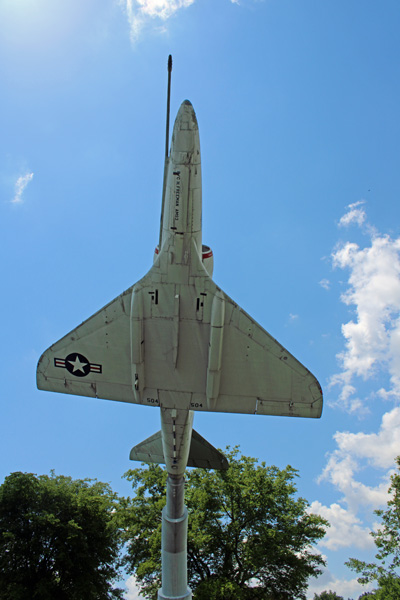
{"x": 58, "y": 539}
{"x": 249, "y": 535}
{"x": 327, "y": 596}
{"x": 385, "y": 572}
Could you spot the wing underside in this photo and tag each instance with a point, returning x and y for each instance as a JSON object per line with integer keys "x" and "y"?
{"x": 95, "y": 358}
{"x": 180, "y": 346}
{"x": 258, "y": 375}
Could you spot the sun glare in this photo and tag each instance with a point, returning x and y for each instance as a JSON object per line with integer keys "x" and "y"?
{"x": 39, "y": 24}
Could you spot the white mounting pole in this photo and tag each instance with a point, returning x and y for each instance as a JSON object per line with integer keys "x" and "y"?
{"x": 174, "y": 543}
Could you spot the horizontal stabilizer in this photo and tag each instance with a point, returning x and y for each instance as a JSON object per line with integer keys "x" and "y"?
{"x": 202, "y": 454}
{"x": 150, "y": 450}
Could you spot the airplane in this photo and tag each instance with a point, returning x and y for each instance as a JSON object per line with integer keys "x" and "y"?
{"x": 174, "y": 340}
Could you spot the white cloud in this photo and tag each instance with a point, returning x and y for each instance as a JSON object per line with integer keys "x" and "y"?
{"x": 372, "y": 338}
{"x": 355, "y": 452}
{"x": 343, "y": 587}
{"x": 325, "y": 283}
{"x": 354, "y": 214}
{"x": 345, "y": 527}
{"x": 132, "y": 589}
{"x": 20, "y": 186}
{"x": 142, "y": 12}
{"x": 379, "y": 449}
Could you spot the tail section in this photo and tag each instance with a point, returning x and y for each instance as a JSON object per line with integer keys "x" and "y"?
{"x": 202, "y": 454}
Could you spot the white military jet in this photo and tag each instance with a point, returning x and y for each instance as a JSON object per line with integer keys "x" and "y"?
{"x": 176, "y": 341}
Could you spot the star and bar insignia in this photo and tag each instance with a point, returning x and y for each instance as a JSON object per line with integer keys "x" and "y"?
{"x": 77, "y": 365}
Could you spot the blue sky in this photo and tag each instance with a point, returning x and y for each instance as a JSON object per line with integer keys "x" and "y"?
{"x": 297, "y": 103}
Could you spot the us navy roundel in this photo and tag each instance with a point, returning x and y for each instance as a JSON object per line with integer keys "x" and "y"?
{"x": 77, "y": 365}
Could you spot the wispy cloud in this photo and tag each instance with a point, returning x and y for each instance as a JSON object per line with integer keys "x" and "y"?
{"x": 355, "y": 214}
{"x": 142, "y": 12}
{"x": 325, "y": 283}
{"x": 372, "y": 338}
{"x": 20, "y": 186}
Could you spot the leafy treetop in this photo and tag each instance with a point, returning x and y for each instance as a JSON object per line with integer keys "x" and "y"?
{"x": 58, "y": 539}
{"x": 249, "y": 535}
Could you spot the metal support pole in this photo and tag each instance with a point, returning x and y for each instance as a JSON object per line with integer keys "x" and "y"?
{"x": 174, "y": 543}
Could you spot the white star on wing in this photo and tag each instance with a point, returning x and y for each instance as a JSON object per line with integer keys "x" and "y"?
{"x": 78, "y": 365}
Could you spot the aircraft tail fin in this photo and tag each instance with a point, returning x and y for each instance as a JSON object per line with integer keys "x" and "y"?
{"x": 202, "y": 454}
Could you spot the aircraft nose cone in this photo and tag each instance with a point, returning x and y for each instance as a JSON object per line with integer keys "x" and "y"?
{"x": 186, "y": 117}
{"x": 185, "y": 136}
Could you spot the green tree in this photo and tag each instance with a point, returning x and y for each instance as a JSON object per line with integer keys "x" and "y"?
{"x": 249, "y": 535}
{"x": 59, "y": 539}
{"x": 327, "y": 596}
{"x": 385, "y": 572}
